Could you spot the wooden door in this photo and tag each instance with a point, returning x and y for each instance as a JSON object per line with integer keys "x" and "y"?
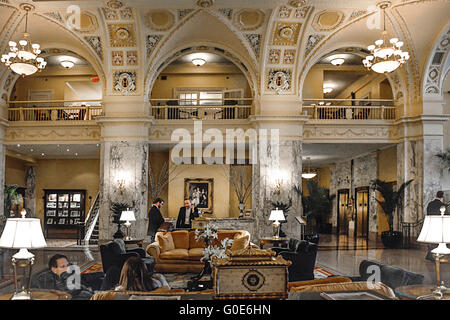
{"x": 362, "y": 212}
{"x": 342, "y": 208}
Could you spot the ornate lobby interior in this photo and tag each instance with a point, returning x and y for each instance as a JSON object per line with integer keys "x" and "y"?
{"x": 289, "y": 125}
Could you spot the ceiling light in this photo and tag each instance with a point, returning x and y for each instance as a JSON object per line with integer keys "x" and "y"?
{"x": 386, "y": 55}
{"x": 327, "y": 89}
{"x": 198, "y": 62}
{"x": 308, "y": 173}
{"x": 337, "y": 61}
{"x": 68, "y": 150}
{"x": 67, "y": 64}
{"x": 18, "y": 146}
{"x": 24, "y": 60}
{"x": 42, "y": 154}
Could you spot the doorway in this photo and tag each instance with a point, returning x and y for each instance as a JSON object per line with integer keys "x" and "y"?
{"x": 342, "y": 209}
{"x": 362, "y": 212}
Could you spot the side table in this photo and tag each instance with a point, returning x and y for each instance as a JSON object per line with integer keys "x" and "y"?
{"x": 138, "y": 242}
{"x": 275, "y": 242}
{"x": 412, "y": 292}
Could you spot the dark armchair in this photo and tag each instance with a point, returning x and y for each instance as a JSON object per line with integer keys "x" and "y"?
{"x": 114, "y": 253}
{"x": 302, "y": 254}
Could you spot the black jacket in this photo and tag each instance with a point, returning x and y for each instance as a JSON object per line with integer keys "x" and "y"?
{"x": 182, "y": 216}
{"x": 155, "y": 220}
{"x": 433, "y": 208}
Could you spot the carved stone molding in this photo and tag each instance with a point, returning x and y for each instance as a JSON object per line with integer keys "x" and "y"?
{"x": 46, "y": 134}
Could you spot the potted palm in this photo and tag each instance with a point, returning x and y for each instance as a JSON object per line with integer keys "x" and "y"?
{"x": 317, "y": 206}
{"x": 391, "y": 204}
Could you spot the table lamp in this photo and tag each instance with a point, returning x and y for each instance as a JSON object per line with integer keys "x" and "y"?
{"x": 127, "y": 216}
{"x": 276, "y": 216}
{"x": 436, "y": 229}
{"x": 23, "y": 234}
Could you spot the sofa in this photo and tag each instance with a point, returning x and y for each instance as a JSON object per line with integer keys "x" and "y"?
{"x": 302, "y": 254}
{"x": 391, "y": 276}
{"x": 187, "y": 251}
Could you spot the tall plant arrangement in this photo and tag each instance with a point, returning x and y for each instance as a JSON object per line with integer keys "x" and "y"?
{"x": 241, "y": 183}
{"x": 318, "y": 204}
{"x": 157, "y": 182}
{"x": 11, "y": 198}
{"x": 392, "y": 200}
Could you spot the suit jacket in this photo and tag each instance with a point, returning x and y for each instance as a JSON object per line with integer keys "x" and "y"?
{"x": 155, "y": 220}
{"x": 182, "y": 216}
{"x": 433, "y": 208}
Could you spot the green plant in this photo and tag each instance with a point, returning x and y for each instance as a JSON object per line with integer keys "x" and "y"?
{"x": 11, "y": 197}
{"x": 116, "y": 209}
{"x": 445, "y": 158}
{"x": 392, "y": 200}
{"x": 317, "y": 205}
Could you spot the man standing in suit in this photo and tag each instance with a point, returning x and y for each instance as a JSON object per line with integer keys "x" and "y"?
{"x": 186, "y": 215}
{"x": 434, "y": 209}
{"x": 155, "y": 218}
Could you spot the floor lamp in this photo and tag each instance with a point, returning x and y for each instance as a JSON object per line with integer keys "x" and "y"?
{"x": 23, "y": 234}
{"x": 436, "y": 229}
{"x": 127, "y": 216}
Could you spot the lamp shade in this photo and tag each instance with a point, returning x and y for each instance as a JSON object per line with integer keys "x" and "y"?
{"x": 276, "y": 215}
{"x": 23, "y": 233}
{"x": 127, "y": 216}
{"x": 435, "y": 229}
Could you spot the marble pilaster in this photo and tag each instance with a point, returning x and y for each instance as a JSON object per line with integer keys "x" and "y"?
{"x": 30, "y": 191}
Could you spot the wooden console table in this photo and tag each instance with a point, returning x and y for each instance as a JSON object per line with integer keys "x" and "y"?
{"x": 275, "y": 242}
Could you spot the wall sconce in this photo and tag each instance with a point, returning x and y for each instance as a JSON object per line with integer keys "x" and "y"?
{"x": 278, "y": 183}
{"x": 121, "y": 185}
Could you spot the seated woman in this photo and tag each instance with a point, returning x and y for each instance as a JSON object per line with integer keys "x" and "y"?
{"x": 135, "y": 277}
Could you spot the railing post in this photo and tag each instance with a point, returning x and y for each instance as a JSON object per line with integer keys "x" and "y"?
{"x": 21, "y": 114}
{"x": 315, "y": 112}
{"x": 382, "y": 112}
{"x": 236, "y": 112}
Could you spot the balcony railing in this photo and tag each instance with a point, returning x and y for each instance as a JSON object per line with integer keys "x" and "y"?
{"x": 349, "y": 109}
{"x": 54, "y": 110}
{"x": 201, "y": 109}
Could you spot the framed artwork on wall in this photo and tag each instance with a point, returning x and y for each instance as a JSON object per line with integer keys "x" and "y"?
{"x": 201, "y": 193}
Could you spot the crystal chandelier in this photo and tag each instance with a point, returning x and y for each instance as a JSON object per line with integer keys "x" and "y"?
{"x": 24, "y": 59}
{"x": 386, "y": 55}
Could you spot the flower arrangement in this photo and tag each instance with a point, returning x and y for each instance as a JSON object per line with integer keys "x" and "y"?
{"x": 210, "y": 251}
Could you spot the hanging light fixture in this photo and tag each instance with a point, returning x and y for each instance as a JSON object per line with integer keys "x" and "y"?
{"x": 327, "y": 89}
{"x": 198, "y": 62}
{"x": 337, "y": 60}
{"x": 308, "y": 174}
{"x": 386, "y": 55}
{"x": 67, "y": 64}
{"x": 24, "y": 59}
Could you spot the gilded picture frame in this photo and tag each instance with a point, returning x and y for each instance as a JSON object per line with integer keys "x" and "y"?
{"x": 201, "y": 193}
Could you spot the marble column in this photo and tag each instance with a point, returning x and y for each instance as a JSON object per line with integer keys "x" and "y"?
{"x": 277, "y": 175}
{"x": 30, "y": 191}
{"x": 124, "y": 162}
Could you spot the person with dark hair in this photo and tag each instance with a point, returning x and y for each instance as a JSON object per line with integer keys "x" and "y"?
{"x": 186, "y": 215}
{"x": 155, "y": 218}
{"x": 136, "y": 277}
{"x": 60, "y": 276}
{"x": 434, "y": 209}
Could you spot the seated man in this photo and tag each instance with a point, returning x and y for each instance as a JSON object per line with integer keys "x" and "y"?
{"x": 59, "y": 277}
{"x": 186, "y": 215}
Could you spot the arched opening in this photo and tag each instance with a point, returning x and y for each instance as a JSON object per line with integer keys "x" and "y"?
{"x": 201, "y": 84}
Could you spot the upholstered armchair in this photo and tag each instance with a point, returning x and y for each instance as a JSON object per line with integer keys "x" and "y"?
{"x": 302, "y": 254}
{"x": 114, "y": 253}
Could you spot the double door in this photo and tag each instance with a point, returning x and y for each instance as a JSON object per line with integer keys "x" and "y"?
{"x": 358, "y": 212}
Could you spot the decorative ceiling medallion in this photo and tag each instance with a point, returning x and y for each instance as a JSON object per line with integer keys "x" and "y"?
{"x": 117, "y": 58}
{"x": 289, "y": 56}
{"x": 114, "y": 4}
{"x": 284, "y": 12}
{"x": 160, "y": 20}
{"x": 286, "y": 33}
{"x": 122, "y": 35}
{"x": 132, "y": 58}
{"x": 110, "y": 14}
{"x": 124, "y": 82}
{"x": 297, "y": 3}
{"x": 327, "y": 20}
{"x": 255, "y": 42}
{"x": 152, "y": 41}
{"x": 226, "y": 12}
{"x": 248, "y": 20}
{"x": 300, "y": 13}
{"x": 274, "y": 56}
{"x": 88, "y": 22}
{"x": 312, "y": 41}
{"x": 279, "y": 80}
{"x": 96, "y": 44}
{"x": 205, "y": 3}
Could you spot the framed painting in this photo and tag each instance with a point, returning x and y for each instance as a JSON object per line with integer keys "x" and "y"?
{"x": 201, "y": 192}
